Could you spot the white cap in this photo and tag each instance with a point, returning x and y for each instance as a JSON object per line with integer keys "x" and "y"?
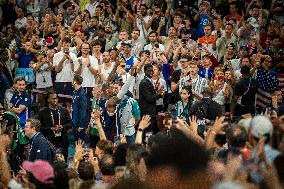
{"x": 261, "y": 125}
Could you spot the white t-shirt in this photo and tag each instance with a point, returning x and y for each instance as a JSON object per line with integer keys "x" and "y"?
{"x": 43, "y": 77}
{"x": 91, "y": 7}
{"x": 219, "y": 96}
{"x": 141, "y": 27}
{"x": 106, "y": 71}
{"x": 149, "y": 47}
{"x": 89, "y": 79}
{"x": 21, "y": 22}
{"x": 66, "y": 74}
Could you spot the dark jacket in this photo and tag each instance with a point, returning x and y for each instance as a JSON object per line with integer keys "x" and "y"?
{"x": 79, "y": 109}
{"x": 47, "y": 116}
{"x": 147, "y": 97}
{"x": 212, "y": 109}
{"x": 41, "y": 149}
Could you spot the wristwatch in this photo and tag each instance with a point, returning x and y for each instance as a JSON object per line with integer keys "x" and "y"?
{"x": 139, "y": 129}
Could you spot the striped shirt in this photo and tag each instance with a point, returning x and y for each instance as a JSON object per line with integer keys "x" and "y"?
{"x": 198, "y": 85}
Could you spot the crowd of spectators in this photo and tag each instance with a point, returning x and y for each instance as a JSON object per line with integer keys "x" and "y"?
{"x": 141, "y": 94}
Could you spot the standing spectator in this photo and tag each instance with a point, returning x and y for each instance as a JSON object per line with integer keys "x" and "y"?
{"x": 206, "y": 71}
{"x": 222, "y": 42}
{"x": 153, "y": 43}
{"x": 197, "y": 83}
{"x": 137, "y": 43}
{"x": 106, "y": 67}
{"x": 40, "y": 146}
{"x": 148, "y": 95}
{"x": 63, "y": 63}
{"x": 183, "y": 106}
{"x": 25, "y": 56}
{"x": 87, "y": 67}
{"x": 206, "y": 108}
{"x": 91, "y": 6}
{"x": 207, "y": 40}
{"x": 43, "y": 78}
{"x": 97, "y": 51}
{"x": 202, "y": 17}
{"x": 128, "y": 113}
{"x": 142, "y": 21}
{"x": 192, "y": 31}
{"x": 127, "y": 56}
{"x": 79, "y": 109}
{"x": 20, "y": 103}
{"x": 21, "y": 21}
{"x": 244, "y": 94}
{"x": 233, "y": 13}
{"x": 159, "y": 83}
{"x": 55, "y": 121}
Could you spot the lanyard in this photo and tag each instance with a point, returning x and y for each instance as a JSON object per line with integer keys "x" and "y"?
{"x": 52, "y": 117}
{"x": 34, "y": 137}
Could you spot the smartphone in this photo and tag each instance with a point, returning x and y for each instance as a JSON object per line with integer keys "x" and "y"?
{"x": 162, "y": 19}
{"x": 201, "y": 127}
{"x": 174, "y": 116}
{"x": 219, "y": 34}
{"x": 86, "y": 148}
{"x": 183, "y": 42}
{"x": 147, "y": 136}
{"x": 86, "y": 151}
{"x": 199, "y": 45}
{"x": 116, "y": 140}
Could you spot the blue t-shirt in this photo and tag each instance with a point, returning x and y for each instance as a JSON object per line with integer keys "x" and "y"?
{"x": 22, "y": 99}
{"x": 25, "y": 59}
{"x": 203, "y": 20}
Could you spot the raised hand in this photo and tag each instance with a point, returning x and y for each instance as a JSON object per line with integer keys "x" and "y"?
{"x": 145, "y": 122}
{"x": 219, "y": 124}
{"x": 193, "y": 124}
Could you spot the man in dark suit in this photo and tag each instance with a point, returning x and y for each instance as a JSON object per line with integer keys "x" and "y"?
{"x": 55, "y": 121}
{"x": 206, "y": 108}
{"x": 148, "y": 95}
{"x": 40, "y": 146}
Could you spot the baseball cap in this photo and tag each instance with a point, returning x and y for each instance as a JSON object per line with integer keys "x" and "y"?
{"x": 243, "y": 48}
{"x": 40, "y": 169}
{"x": 126, "y": 43}
{"x": 245, "y": 123}
{"x": 260, "y": 125}
{"x": 252, "y": 21}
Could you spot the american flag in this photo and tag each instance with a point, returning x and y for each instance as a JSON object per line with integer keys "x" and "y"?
{"x": 268, "y": 82}
{"x": 280, "y": 77}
